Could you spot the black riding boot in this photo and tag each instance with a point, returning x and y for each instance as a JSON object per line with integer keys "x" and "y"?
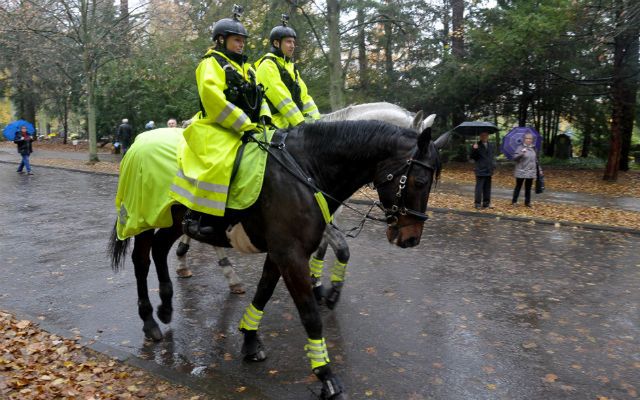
{"x": 195, "y": 225}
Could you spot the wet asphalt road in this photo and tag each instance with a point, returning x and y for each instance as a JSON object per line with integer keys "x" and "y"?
{"x": 481, "y": 309}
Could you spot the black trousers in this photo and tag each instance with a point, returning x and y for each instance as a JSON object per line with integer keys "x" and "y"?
{"x": 527, "y": 190}
{"x": 483, "y": 191}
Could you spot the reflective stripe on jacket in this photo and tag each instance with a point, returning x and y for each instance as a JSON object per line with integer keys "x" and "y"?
{"x": 286, "y": 112}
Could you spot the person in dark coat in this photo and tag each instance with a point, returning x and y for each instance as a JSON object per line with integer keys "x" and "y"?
{"x": 484, "y": 155}
{"x": 25, "y": 148}
{"x": 124, "y": 135}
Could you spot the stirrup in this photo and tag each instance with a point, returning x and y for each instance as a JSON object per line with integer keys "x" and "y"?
{"x": 192, "y": 225}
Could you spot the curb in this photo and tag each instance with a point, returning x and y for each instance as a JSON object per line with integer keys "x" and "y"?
{"x": 605, "y": 228}
{"x": 596, "y": 227}
{"x": 63, "y": 168}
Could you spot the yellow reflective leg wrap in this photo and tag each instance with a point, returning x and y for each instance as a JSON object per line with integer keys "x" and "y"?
{"x": 338, "y": 271}
{"x": 316, "y": 266}
{"x": 251, "y": 318}
{"x": 317, "y": 352}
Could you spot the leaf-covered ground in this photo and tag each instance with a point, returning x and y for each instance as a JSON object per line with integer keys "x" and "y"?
{"x": 35, "y": 364}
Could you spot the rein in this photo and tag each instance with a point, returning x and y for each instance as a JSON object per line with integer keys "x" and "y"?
{"x": 391, "y": 214}
{"x": 294, "y": 169}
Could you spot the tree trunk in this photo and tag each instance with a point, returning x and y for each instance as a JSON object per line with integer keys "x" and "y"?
{"x": 336, "y": 87}
{"x": 65, "y": 119}
{"x": 630, "y": 90}
{"x": 91, "y": 119}
{"x": 457, "y": 49}
{"x": 523, "y": 106}
{"x": 457, "y": 34}
{"x": 623, "y": 88}
{"x": 362, "y": 48}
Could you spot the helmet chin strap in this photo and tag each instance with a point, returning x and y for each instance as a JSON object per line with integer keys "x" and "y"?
{"x": 278, "y": 52}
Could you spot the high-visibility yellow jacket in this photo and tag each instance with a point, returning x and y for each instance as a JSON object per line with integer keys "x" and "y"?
{"x": 285, "y": 108}
{"x": 205, "y": 160}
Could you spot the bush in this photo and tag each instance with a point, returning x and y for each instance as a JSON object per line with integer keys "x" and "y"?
{"x": 575, "y": 162}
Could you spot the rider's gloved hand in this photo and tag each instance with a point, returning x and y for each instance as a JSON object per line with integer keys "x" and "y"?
{"x": 246, "y": 136}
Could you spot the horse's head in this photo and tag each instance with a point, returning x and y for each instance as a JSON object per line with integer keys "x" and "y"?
{"x": 404, "y": 186}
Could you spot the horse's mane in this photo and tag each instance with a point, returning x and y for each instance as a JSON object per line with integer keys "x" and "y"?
{"x": 391, "y": 113}
{"x": 352, "y": 136}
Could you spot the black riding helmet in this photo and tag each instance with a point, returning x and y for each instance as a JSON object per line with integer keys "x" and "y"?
{"x": 226, "y": 27}
{"x": 280, "y": 32}
{"x": 229, "y": 26}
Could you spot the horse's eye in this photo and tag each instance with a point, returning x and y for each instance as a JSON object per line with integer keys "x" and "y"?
{"x": 420, "y": 183}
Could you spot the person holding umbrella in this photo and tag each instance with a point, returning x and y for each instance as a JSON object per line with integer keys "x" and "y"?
{"x": 484, "y": 155}
{"x": 526, "y": 169}
{"x": 23, "y": 141}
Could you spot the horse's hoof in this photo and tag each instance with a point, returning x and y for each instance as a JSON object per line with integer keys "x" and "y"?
{"x": 165, "y": 314}
{"x": 184, "y": 273}
{"x": 238, "y": 288}
{"x": 252, "y": 347}
{"x": 332, "y": 390}
{"x": 332, "y": 298}
{"x": 257, "y": 357}
{"x": 182, "y": 249}
{"x": 154, "y": 333}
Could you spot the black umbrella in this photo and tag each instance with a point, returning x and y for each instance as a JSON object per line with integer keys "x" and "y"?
{"x": 474, "y": 128}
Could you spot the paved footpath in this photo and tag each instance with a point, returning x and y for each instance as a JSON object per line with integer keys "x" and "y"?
{"x": 481, "y": 309}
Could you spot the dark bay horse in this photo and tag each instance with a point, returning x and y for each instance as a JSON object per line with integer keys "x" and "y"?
{"x": 336, "y": 157}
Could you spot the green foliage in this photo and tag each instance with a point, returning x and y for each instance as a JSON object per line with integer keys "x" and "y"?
{"x": 575, "y": 162}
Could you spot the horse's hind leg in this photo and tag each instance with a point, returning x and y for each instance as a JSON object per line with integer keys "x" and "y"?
{"x": 235, "y": 283}
{"x": 183, "y": 245}
{"x": 252, "y": 347}
{"x": 162, "y": 242}
{"x": 338, "y": 243}
{"x": 141, "y": 263}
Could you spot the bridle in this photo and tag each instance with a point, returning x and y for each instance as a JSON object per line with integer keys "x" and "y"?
{"x": 398, "y": 208}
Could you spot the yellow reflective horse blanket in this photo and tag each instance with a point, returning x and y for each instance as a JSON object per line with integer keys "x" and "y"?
{"x": 146, "y": 176}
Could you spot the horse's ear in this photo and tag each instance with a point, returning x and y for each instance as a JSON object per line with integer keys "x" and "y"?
{"x": 424, "y": 139}
{"x": 417, "y": 121}
{"x": 427, "y": 122}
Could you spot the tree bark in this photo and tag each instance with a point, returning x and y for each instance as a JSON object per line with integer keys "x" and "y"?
{"x": 363, "y": 64}
{"x": 630, "y": 90}
{"x": 623, "y": 88}
{"x": 336, "y": 86}
{"x": 457, "y": 49}
{"x": 457, "y": 34}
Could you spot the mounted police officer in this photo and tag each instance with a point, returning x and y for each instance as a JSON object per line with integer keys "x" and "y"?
{"x": 231, "y": 107}
{"x": 286, "y": 92}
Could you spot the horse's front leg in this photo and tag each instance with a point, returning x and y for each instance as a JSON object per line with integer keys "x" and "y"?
{"x": 295, "y": 272}
{"x": 252, "y": 348}
{"x": 141, "y": 262}
{"x": 162, "y": 242}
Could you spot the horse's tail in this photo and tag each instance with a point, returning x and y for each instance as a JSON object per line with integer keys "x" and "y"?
{"x": 117, "y": 249}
